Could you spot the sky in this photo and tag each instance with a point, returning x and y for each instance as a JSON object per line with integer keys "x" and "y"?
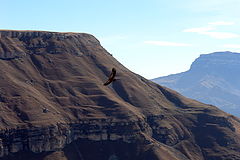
{"x": 152, "y": 38}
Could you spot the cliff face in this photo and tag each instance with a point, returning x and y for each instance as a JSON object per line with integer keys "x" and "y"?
{"x": 212, "y": 78}
{"x": 54, "y": 106}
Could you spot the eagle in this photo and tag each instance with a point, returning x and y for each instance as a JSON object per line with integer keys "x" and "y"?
{"x": 111, "y": 77}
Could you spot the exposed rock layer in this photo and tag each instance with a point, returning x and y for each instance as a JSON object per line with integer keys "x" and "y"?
{"x": 54, "y": 106}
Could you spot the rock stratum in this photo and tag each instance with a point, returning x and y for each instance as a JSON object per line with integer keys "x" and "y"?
{"x": 212, "y": 79}
{"x": 54, "y": 106}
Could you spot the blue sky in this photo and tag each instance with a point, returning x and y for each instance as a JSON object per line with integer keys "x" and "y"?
{"x": 151, "y": 37}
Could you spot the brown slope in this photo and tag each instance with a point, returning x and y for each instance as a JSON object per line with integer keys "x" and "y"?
{"x": 54, "y": 105}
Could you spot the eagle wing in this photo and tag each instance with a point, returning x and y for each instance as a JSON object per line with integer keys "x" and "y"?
{"x": 111, "y": 77}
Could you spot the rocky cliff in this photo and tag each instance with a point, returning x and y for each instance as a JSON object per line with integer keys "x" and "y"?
{"x": 212, "y": 79}
{"x": 54, "y": 106}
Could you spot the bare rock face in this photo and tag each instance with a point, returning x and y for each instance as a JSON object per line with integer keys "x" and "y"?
{"x": 54, "y": 106}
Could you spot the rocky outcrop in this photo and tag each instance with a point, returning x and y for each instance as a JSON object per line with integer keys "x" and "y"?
{"x": 54, "y": 106}
{"x": 55, "y": 137}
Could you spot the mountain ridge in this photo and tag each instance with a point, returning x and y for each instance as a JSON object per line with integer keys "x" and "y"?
{"x": 212, "y": 79}
{"x": 54, "y": 106}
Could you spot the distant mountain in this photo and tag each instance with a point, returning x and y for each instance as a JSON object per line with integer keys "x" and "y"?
{"x": 213, "y": 78}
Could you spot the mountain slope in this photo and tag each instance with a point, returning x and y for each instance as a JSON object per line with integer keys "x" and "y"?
{"x": 54, "y": 106}
{"x": 213, "y": 79}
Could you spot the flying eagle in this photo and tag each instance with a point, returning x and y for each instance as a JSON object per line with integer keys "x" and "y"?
{"x": 111, "y": 77}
